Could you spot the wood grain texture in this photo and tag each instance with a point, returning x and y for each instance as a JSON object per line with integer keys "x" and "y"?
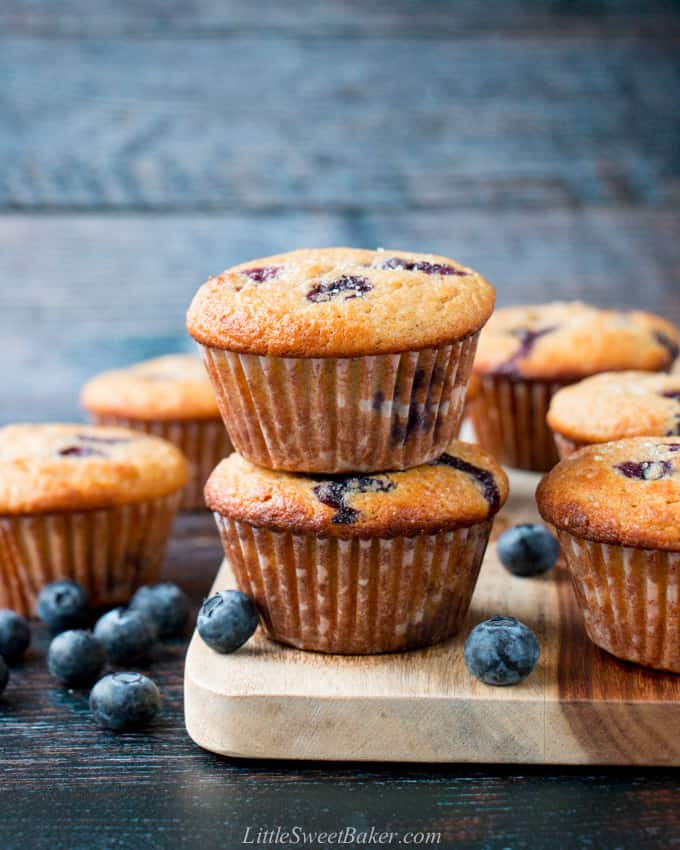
{"x": 579, "y": 706}
{"x": 116, "y": 136}
{"x": 84, "y": 293}
{"x": 67, "y": 785}
{"x": 393, "y": 123}
{"x": 349, "y": 18}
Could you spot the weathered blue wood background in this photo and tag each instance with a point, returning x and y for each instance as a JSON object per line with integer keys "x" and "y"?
{"x": 145, "y": 144}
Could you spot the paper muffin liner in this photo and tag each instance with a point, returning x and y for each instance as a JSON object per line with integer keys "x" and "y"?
{"x": 204, "y": 443}
{"x": 111, "y": 552}
{"x": 630, "y": 599}
{"x": 508, "y": 415}
{"x": 356, "y": 596}
{"x": 331, "y": 415}
{"x": 566, "y": 446}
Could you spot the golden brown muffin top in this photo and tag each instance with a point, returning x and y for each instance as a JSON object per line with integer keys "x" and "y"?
{"x": 462, "y": 487}
{"x": 340, "y": 302}
{"x": 615, "y": 405}
{"x": 173, "y": 387}
{"x": 568, "y": 341}
{"x": 59, "y": 467}
{"x": 626, "y": 493}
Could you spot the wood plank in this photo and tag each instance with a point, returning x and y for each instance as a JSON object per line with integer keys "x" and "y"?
{"x": 214, "y": 18}
{"x": 579, "y": 706}
{"x": 79, "y": 294}
{"x": 263, "y": 122}
{"x": 130, "y": 788}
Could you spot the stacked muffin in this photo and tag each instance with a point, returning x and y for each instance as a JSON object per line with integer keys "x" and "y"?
{"x": 349, "y": 514}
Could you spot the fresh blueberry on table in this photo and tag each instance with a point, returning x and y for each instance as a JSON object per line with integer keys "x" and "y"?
{"x": 76, "y": 658}
{"x": 63, "y": 605}
{"x": 4, "y": 674}
{"x": 528, "y": 550}
{"x": 166, "y": 605}
{"x": 125, "y": 635}
{"x": 15, "y": 635}
{"x": 123, "y": 701}
{"x": 501, "y": 651}
{"x": 226, "y": 620}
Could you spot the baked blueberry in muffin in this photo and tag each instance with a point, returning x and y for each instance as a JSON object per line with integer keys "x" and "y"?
{"x": 527, "y": 354}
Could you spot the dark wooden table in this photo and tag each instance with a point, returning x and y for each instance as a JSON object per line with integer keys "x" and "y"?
{"x": 144, "y": 146}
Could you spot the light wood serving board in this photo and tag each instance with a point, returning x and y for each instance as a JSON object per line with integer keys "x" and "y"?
{"x": 579, "y": 706}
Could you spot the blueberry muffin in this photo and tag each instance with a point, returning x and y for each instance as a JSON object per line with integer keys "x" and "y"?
{"x": 88, "y": 503}
{"x": 341, "y": 360}
{"x": 359, "y": 563}
{"x": 527, "y": 354}
{"x": 616, "y": 507}
{"x": 613, "y": 406}
{"x": 170, "y": 397}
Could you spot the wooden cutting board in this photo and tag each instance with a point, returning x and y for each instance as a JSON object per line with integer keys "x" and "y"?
{"x": 579, "y": 706}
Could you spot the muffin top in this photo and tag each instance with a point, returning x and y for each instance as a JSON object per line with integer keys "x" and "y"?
{"x": 172, "y": 387}
{"x": 614, "y": 405}
{"x": 58, "y": 467}
{"x": 462, "y": 487}
{"x": 568, "y": 341}
{"x": 626, "y": 493}
{"x": 340, "y": 302}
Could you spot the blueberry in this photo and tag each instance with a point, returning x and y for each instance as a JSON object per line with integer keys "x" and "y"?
{"x": 485, "y": 478}
{"x": 528, "y": 550}
{"x": 125, "y": 635}
{"x": 527, "y": 340}
{"x": 15, "y": 635}
{"x": 260, "y": 274}
{"x": 226, "y": 620}
{"x": 646, "y": 470}
{"x": 421, "y": 266}
{"x": 166, "y": 605}
{"x": 4, "y": 674}
{"x": 350, "y": 286}
{"x": 336, "y": 492}
{"x": 501, "y": 651}
{"x": 63, "y": 605}
{"x": 76, "y": 657}
{"x": 81, "y": 451}
{"x": 124, "y": 701}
